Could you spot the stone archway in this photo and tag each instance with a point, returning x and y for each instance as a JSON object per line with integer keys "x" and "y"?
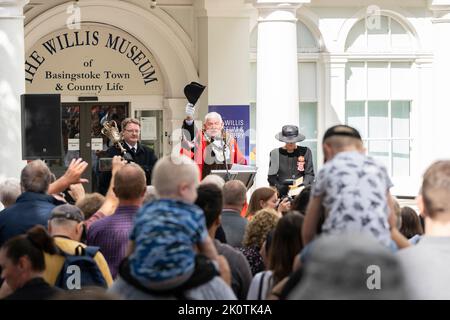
{"x": 152, "y": 30}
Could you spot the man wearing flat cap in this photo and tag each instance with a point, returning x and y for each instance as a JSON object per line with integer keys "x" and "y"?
{"x": 290, "y": 161}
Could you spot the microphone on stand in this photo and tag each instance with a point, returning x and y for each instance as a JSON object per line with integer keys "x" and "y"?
{"x": 224, "y": 145}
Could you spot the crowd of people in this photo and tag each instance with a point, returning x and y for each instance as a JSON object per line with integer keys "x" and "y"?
{"x": 194, "y": 236}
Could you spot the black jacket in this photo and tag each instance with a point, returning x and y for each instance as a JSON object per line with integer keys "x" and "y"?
{"x": 35, "y": 289}
{"x": 283, "y": 165}
{"x": 145, "y": 157}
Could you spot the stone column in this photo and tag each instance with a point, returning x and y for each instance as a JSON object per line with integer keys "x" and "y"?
{"x": 424, "y": 150}
{"x": 441, "y": 77}
{"x": 335, "y": 71}
{"x": 277, "y": 101}
{"x": 12, "y": 85}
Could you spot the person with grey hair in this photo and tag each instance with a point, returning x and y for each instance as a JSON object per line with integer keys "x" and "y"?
{"x": 211, "y": 147}
{"x": 33, "y": 206}
{"x": 66, "y": 226}
{"x": 150, "y": 194}
{"x": 9, "y": 192}
{"x": 349, "y": 267}
{"x": 214, "y": 179}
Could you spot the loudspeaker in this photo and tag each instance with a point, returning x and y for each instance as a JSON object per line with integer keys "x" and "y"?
{"x": 41, "y": 126}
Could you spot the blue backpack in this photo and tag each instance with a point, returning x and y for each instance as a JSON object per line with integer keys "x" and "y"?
{"x": 80, "y": 270}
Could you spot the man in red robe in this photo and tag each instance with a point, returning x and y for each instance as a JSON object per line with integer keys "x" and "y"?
{"x": 210, "y": 147}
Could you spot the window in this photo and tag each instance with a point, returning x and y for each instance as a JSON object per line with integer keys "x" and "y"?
{"x": 379, "y": 93}
{"x": 383, "y": 35}
{"x": 379, "y": 106}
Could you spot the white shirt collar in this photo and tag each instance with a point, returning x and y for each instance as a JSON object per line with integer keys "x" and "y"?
{"x": 131, "y": 147}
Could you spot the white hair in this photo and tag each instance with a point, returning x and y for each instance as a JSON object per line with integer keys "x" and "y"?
{"x": 150, "y": 194}
{"x": 213, "y": 115}
{"x": 214, "y": 179}
{"x": 9, "y": 191}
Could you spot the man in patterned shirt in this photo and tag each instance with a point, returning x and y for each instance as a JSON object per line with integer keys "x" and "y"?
{"x": 351, "y": 187}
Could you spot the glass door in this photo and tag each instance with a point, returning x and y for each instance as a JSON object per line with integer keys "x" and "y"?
{"x": 81, "y": 136}
{"x": 97, "y": 145}
{"x": 151, "y": 129}
{"x": 70, "y": 130}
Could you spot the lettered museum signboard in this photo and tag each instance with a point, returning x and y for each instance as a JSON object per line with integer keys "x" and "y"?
{"x": 93, "y": 60}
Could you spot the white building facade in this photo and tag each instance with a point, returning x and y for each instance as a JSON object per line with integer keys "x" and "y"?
{"x": 380, "y": 66}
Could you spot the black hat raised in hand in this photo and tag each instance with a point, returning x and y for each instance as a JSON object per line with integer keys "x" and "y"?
{"x": 193, "y": 91}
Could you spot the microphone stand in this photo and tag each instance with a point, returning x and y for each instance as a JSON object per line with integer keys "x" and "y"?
{"x": 224, "y": 144}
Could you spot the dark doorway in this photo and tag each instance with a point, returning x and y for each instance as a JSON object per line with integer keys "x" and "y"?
{"x": 81, "y": 125}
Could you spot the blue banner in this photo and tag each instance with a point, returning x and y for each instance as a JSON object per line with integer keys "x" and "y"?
{"x": 236, "y": 122}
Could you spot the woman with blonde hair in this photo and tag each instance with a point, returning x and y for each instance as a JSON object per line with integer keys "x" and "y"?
{"x": 256, "y": 232}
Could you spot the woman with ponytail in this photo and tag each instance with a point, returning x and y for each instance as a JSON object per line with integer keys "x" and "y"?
{"x": 22, "y": 263}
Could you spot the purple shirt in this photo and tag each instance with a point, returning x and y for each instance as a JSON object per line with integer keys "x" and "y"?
{"x": 111, "y": 234}
{"x": 96, "y": 216}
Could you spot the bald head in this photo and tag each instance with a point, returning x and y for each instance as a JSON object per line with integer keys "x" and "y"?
{"x": 172, "y": 173}
{"x": 35, "y": 177}
{"x": 234, "y": 193}
{"x": 129, "y": 182}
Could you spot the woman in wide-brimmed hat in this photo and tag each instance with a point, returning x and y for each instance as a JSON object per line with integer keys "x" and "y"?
{"x": 290, "y": 161}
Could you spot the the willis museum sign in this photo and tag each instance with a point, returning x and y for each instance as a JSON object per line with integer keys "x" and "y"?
{"x": 94, "y": 60}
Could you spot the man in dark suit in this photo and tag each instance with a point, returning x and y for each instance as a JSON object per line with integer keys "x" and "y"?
{"x": 140, "y": 154}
